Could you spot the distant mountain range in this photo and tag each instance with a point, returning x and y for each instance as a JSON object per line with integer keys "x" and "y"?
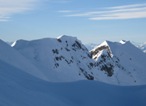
{"x": 66, "y": 59}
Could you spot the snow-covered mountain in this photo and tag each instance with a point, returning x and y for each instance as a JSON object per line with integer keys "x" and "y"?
{"x": 59, "y": 59}
{"x": 28, "y": 70}
{"x": 66, "y": 59}
{"x": 121, "y": 62}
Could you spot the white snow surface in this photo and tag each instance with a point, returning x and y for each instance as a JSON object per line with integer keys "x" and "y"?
{"x": 18, "y": 88}
{"x": 142, "y": 47}
{"x": 13, "y": 57}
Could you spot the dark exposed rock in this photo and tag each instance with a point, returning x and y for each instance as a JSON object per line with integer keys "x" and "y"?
{"x": 59, "y": 40}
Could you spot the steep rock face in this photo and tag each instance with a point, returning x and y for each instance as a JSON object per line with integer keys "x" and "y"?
{"x": 63, "y": 59}
{"x": 121, "y": 61}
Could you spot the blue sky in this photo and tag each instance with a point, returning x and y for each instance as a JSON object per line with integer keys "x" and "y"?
{"x": 89, "y": 20}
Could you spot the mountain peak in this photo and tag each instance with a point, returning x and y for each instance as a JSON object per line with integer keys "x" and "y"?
{"x": 106, "y": 42}
{"x": 66, "y": 56}
{"x": 112, "y": 47}
{"x": 106, "y": 45}
{"x": 122, "y": 41}
{"x": 65, "y": 38}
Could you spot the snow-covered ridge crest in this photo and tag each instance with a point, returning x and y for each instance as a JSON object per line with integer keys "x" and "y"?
{"x": 66, "y": 59}
{"x": 66, "y": 37}
{"x": 122, "y": 41}
{"x": 103, "y": 46}
{"x": 110, "y": 46}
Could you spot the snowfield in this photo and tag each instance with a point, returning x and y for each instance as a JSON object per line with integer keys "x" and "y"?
{"x": 18, "y": 88}
{"x": 62, "y": 72}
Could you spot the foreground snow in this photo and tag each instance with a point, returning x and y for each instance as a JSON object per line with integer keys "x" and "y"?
{"x": 18, "y": 88}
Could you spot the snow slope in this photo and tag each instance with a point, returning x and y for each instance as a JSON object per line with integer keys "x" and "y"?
{"x": 142, "y": 47}
{"x": 18, "y": 88}
{"x": 122, "y": 62}
{"x": 13, "y": 57}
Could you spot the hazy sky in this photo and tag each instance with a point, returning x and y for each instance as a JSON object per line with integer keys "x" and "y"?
{"x": 89, "y": 20}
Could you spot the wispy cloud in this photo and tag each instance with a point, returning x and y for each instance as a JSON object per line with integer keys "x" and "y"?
{"x": 117, "y": 12}
{"x": 60, "y": 1}
{"x": 10, "y": 7}
{"x": 65, "y": 11}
